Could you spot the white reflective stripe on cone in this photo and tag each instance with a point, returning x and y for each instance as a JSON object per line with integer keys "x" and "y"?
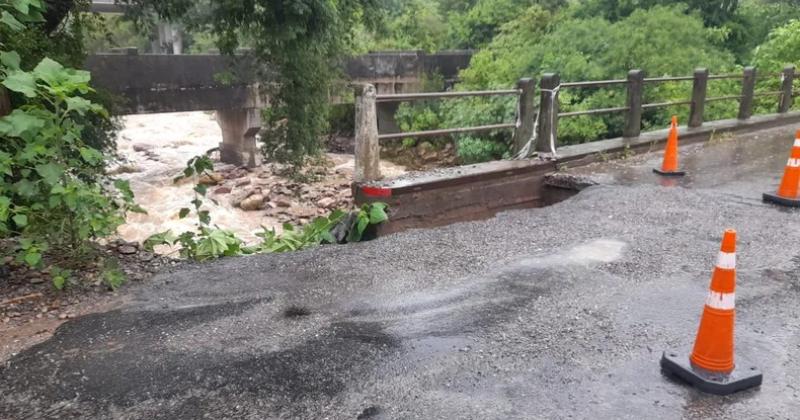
{"x": 723, "y": 301}
{"x": 794, "y": 163}
{"x": 727, "y": 260}
{"x": 796, "y": 142}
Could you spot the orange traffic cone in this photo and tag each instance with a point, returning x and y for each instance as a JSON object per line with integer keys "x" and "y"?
{"x": 789, "y": 190}
{"x": 670, "y": 165}
{"x": 710, "y": 367}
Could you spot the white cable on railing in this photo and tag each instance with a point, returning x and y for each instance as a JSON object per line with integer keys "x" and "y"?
{"x": 525, "y": 151}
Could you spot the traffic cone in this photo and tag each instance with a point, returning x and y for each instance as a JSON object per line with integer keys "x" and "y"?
{"x": 789, "y": 190}
{"x": 710, "y": 366}
{"x": 670, "y": 165}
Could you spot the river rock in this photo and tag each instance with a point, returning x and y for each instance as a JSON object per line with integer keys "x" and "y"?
{"x": 253, "y": 202}
{"x": 240, "y": 195}
{"x": 210, "y": 178}
{"x": 142, "y": 147}
{"x": 282, "y": 201}
{"x": 222, "y": 190}
{"x": 127, "y": 249}
{"x": 326, "y": 202}
{"x": 303, "y": 211}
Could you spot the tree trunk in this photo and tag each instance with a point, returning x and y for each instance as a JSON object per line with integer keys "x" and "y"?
{"x": 55, "y": 12}
{"x": 5, "y": 102}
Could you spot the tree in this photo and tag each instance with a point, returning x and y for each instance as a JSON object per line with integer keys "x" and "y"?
{"x": 299, "y": 46}
{"x": 479, "y": 24}
{"x": 418, "y": 26}
{"x": 713, "y": 12}
{"x": 661, "y": 41}
{"x": 781, "y": 48}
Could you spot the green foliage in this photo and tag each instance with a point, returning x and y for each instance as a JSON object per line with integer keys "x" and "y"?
{"x": 113, "y": 276}
{"x": 478, "y": 26}
{"x": 712, "y": 12}
{"x": 54, "y": 196}
{"x": 661, "y": 41}
{"x": 781, "y": 48}
{"x": 419, "y": 26}
{"x": 368, "y": 214}
{"x": 16, "y": 15}
{"x": 314, "y": 233}
{"x": 476, "y": 150}
{"x": 114, "y": 31}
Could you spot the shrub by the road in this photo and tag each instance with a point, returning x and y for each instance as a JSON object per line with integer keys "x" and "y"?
{"x": 55, "y": 198}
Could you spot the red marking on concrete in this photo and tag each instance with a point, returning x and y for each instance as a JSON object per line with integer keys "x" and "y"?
{"x": 376, "y": 192}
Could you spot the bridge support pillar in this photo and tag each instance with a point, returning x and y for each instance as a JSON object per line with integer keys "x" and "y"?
{"x": 239, "y": 129}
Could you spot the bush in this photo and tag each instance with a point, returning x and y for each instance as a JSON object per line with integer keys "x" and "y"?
{"x": 476, "y": 150}
{"x": 54, "y": 195}
{"x": 660, "y": 41}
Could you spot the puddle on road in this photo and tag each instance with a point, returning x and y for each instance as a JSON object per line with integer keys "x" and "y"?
{"x": 599, "y": 251}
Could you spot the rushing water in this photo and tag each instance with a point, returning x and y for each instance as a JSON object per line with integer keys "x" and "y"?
{"x": 155, "y": 149}
{"x": 163, "y": 144}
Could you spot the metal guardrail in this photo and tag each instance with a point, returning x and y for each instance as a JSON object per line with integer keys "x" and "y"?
{"x": 593, "y": 84}
{"x": 445, "y": 131}
{"x": 409, "y": 97}
{"x": 593, "y": 112}
{"x": 547, "y": 114}
{"x": 665, "y": 104}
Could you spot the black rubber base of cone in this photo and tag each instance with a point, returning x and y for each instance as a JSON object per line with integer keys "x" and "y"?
{"x": 674, "y": 173}
{"x": 776, "y": 199}
{"x": 744, "y": 375}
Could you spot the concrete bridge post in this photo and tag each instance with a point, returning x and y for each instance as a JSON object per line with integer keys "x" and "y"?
{"x": 548, "y": 113}
{"x": 239, "y": 130}
{"x": 633, "y": 119}
{"x": 367, "y": 148}
{"x": 787, "y": 80}
{"x": 699, "y": 89}
{"x": 526, "y": 113}
{"x": 748, "y": 90}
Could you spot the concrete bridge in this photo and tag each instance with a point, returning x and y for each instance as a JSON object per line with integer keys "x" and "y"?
{"x": 153, "y": 83}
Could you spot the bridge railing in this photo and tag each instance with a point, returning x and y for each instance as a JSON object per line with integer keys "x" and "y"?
{"x": 367, "y": 137}
{"x": 544, "y": 120}
{"x": 410, "y": 97}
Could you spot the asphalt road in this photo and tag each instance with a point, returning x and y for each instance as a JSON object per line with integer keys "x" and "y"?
{"x": 558, "y": 312}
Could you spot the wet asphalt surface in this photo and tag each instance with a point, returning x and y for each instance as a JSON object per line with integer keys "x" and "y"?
{"x": 558, "y": 312}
